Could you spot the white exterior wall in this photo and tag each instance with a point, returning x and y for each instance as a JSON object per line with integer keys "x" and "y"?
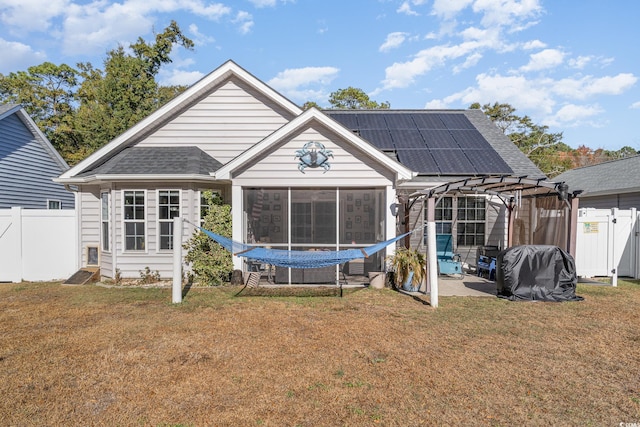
{"x": 225, "y": 124}
{"x": 37, "y": 244}
{"x": 348, "y": 167}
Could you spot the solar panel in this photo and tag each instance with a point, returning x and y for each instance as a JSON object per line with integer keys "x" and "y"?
{"x": 418, "y": 160}
{"x": 438, "y": 138}
{"x": 487, "y": 162}
{"x": 348, "y": 120}
{"x": 399, "y": 121}
{"x": 404, "y": 138}
{"x": 470, "y": 139}
{"x": 427, "y": 121}
{"x": 371, "y": 121}
{"x": 451, "y": 162}
{"x": 456, "y": 121}
{"x": 381, "y": 138}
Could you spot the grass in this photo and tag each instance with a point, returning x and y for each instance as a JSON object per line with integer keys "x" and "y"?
{"x": 89, "y": 355}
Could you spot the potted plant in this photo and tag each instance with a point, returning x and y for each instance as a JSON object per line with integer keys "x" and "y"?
{"x": 409, "y": 267}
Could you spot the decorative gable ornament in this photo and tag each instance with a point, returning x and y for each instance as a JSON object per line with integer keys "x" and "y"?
{"x": 313, "y": 155}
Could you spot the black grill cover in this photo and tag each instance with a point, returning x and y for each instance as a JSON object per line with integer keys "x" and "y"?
{"x": 536, "y": 272}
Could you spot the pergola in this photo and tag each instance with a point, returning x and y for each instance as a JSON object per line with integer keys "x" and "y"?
{"x": 517, "y": 193}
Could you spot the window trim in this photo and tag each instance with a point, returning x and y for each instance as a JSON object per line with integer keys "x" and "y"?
{"x": 125, "y": 221}
{"x": 107, "y": 220}
{"x": 475, "y": 221}
{"x": 199, "y": 208}
{"x": 160, "y": 221}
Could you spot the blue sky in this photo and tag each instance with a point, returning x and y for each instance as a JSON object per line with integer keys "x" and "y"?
{"x": 572, "y": 65}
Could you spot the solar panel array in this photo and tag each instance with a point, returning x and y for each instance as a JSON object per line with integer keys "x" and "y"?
{"x": 429, "y": 143}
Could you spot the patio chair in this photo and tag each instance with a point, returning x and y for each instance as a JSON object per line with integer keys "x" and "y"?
{"x": 448, "y": 262}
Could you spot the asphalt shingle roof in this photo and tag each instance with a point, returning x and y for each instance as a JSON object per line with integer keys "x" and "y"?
{"x": 157, "y": 161}
{"x": 616, "y": 176}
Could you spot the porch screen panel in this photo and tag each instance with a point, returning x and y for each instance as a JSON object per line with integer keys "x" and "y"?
{"x": 266, "y": 215}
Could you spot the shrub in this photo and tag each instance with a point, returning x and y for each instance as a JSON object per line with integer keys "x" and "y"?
{"x": 210, "y": 263}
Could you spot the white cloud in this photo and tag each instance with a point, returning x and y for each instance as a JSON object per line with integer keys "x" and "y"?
{"x": 296, "y": 77}
{"x": 471, "y": 61}
{"x": 449, "y": 8}
{"x": 436, "y": 104}
{"x": 533, "y": 44}
{"x": 580, "y": 62}
{"x": 198, "y": 38}
{"x": 573, "y": 115}
{"x": 393, "y": 41}
{"x": 590, "y": 86}
{"x": 548, "y": 58}
{"x": 514, "y": 14}
{"x": 30, "y": 15}
{"x": 18, "y": 56}
{"x": 635, "y": 105}
{"x": 180, "y": 78}
{"x": 245, "y": 20}
{"x": 406, "y": 9}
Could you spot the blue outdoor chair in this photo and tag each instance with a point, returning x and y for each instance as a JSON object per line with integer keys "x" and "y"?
{"x": 448, "y": 262}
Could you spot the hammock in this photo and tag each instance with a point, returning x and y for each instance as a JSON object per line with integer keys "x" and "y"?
{"x": 298, "y": 259}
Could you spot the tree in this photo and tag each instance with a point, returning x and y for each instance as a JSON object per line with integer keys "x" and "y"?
{"x": 113, "y": 100}
{"x": 542, "y": 147}
{"x": 355, "y": 99}
{"x": 210, "y": 262}
{"x": 310, "y": 104}
{"x": 47, "y": 93}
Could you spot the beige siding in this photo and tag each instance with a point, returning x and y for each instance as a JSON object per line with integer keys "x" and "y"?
{"x": 348, "y": 167}
{"x": 224, "y": 124}
{"x": 89, "y": 220}
{"x": 132, "y": 263}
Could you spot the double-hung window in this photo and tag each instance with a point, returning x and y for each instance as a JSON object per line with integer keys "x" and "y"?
{"x": 105, "y": 215}
{"x": 168, "y": 208}
{"x": 134, "y": 220}
{"x": 471, "y": 221}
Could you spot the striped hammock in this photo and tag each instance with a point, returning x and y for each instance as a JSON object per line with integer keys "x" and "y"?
{"x": 297, "y": 259}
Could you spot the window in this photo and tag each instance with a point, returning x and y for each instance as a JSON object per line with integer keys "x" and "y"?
{"x": 105, "y": 212}
{"x": 471, "y": 221}
{"x": 134, "y": 220}
{"x": 168, "y": 208}
{"x": 443, "y": 216}
{"x": 54, "y": 204}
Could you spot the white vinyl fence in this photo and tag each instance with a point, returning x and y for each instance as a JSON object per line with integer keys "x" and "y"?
{"x": 607, "y": 243}
{"x": 37, "y": 244}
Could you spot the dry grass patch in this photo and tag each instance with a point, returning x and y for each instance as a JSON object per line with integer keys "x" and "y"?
{"x": 97, "y": 356}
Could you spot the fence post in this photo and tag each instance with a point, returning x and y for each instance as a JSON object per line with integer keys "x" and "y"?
{"x": 177, "y": 260}
{"x": 16, "y": 219}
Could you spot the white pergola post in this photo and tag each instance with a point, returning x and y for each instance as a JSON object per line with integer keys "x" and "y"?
{"x": 177, "y": 261}
{"x": 432, "y": 261}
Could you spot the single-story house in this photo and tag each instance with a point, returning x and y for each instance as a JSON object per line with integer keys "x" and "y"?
{"x": 613, "y": 184}
{"x": 28, "y": 164}
{"x": 307, "y": 180}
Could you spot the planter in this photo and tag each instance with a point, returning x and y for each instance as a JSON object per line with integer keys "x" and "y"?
{"x": 377, "y": 279}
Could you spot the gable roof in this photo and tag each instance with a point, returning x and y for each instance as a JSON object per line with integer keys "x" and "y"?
{"x": 7, "y": 110}
{"x": 304, "y": 120}
{"x": 613, "y": 177}
{"x": 181, "y": 102}
{"x": 440, "y": 142}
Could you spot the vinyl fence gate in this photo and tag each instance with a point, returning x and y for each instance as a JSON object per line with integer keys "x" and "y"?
{"x": 607, "y": 243}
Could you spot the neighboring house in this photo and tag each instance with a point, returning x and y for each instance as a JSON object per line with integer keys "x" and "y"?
{"x": 613, "y": 184}
{"x": 28, "y": 164}
{"x": 308, "y": 180}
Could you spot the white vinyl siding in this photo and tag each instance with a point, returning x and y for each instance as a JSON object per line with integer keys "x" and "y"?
{"x": 134, "y": 209}
{"x": 89, "y": 214}
{"x": 27, "y": 169}
{"x": 348, "y": 167}
{"x": 224, "y": 124}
